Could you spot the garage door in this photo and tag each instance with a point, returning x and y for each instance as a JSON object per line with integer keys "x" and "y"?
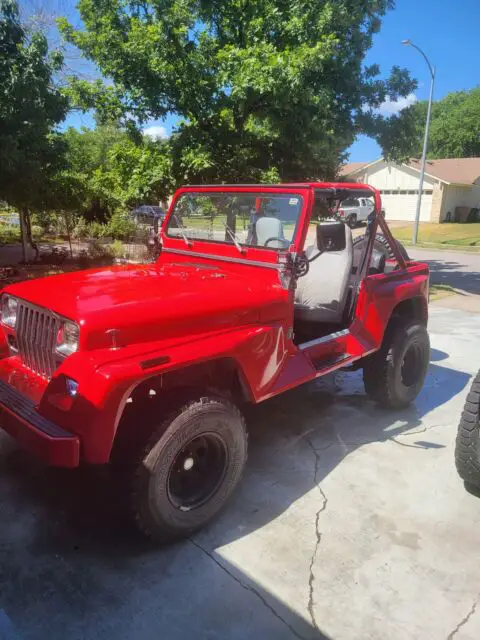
{"x": 402, "y": 206}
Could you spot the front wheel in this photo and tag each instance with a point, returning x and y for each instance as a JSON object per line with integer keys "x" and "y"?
{"x": 188, "y": 470}
{"x": 467, "y": 449}
{"x": 394, "y": 376}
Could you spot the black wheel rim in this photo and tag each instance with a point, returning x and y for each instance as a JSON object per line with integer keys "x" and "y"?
{"x": 411, "y": 365}
{"x": 197, "y": 471}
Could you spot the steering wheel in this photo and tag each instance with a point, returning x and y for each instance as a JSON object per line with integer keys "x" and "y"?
{"x": 286, "y": 243}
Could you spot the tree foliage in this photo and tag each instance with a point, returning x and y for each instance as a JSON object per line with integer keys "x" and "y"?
{"x": 454, "y": 129}
{"x": 107, "y": 169}
{"x": 266, "y": 89}
{"x": 31, "y": 107}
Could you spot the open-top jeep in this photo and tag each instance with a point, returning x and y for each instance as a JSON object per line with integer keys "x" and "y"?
{"x": 256, "y": 290}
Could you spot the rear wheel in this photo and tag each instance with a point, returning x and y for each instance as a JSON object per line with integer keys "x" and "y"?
{"x": 352, "y": 220}
{"x": 394, "y": 376}
{"x": 467, "y": 449}
{"x": 189, "y": 468}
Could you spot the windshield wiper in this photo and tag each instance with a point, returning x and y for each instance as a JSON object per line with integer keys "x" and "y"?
{"x": 233, "y": 237}
{"x": 182, "y": 231}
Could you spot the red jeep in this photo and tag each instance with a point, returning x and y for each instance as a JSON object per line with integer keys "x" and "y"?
{"x": 256, "y": 290}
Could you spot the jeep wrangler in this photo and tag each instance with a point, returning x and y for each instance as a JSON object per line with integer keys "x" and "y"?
{"x": 257, "y": 289}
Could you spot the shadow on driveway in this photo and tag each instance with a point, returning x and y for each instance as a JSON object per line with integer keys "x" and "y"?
{"x": 455, "y": 274}
{"x": 72, "y": 567}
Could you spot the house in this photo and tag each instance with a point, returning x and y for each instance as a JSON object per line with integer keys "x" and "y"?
{"x": 448, "y": 184}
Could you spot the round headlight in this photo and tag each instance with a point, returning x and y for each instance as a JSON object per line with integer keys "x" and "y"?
{"x": 9, "y": 311}
{"x": 67, "y": 338}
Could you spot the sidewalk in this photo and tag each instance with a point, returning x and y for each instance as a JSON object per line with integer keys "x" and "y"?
{"x": 463, "y": 301}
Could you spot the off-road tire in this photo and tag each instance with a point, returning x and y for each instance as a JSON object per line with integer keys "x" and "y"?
{"x": 352, "y": 220}
{"x": 381, "y": 244}
{"x": 467, "y": 449}
{"x": 384, "y": 374}
{"x": 155, "y": 514}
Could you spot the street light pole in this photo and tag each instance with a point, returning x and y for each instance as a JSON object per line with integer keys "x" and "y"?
{"x": 425, "y": 140}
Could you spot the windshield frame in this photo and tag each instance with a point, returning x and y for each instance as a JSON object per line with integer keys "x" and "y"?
{"x": 226, "y": 249}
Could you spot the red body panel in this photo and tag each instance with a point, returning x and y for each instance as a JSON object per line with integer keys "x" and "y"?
{"x": 195, "y": 304}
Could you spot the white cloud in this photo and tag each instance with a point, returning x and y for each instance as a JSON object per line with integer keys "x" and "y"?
{"x": 391, "y": 107}
{"x": 157, "y": 132}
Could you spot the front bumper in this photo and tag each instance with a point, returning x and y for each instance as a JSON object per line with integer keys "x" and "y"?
{"x": 40, "y": 436}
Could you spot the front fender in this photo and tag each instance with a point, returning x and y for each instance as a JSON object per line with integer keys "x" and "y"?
{"x": 107, "y": 378}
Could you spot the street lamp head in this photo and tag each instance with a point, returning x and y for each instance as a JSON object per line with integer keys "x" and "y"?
{"x": 407, "y": 42}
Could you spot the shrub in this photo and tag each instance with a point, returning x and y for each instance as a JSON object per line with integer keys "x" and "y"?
{"x": 97, "y": 230}
{"x": 81, "y": 229}
{"x": 117, "y": 249}
{"x": 121, "y": 226}
{"x": 9, "y": 233}
{"x": 37, "y": 231}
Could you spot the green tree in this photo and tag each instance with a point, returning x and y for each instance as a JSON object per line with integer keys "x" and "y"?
{"x": 82, "y": 181}
{"x": 454, "y": 129}
{"x": 266, "y": 89}
{"x": 138, "y": 172}
{"x": 31, "y": 107}
{"x": 108, "y": 169}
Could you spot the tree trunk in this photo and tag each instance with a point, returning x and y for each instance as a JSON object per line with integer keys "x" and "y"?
{"x": 23, "y": 233}
{"x": 28, "y": 228}
{"x": 69, "y": 234}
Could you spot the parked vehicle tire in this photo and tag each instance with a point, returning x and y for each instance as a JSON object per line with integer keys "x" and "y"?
{"x": 352, "y": 220}
{"x": 381, "y": 244}
{"x": 467, "y": 449}
{"x": 395, "y": 374}
{"x": 191, "y": 465}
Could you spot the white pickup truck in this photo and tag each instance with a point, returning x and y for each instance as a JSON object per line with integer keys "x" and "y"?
{"x": 354, "y": 210}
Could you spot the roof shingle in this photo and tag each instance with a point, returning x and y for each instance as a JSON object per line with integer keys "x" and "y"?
{"x": 452, "y": 170}
{"x": 456, "y": 170}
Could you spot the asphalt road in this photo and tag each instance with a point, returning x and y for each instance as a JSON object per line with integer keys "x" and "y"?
{"x": 459, "y": 270}
{"x": 350, "y": 523}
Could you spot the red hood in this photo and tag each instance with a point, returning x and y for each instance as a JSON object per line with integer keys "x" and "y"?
{"x": 148, "y": 302}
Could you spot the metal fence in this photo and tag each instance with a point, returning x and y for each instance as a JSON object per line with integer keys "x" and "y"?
{"x": 141, "y": 246}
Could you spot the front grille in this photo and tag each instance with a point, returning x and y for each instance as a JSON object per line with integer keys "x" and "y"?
{"x": 36, "y": 335}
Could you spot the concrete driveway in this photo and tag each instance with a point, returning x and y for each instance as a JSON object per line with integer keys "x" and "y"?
{"x": 350, "y": 523}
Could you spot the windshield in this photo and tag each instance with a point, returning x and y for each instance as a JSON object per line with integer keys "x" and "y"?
{"x": 242, "y": 219}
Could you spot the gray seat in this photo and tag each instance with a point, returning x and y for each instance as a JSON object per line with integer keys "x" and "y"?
{"x": 321, "y": 294}
{"x": 267, "y": 228}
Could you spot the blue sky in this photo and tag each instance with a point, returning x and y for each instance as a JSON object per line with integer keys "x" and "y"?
{"x": 447, "y": 31}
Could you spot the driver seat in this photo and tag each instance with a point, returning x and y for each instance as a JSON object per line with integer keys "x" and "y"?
{"x": 321, "y": 294}
{"x": 267, "y": 228}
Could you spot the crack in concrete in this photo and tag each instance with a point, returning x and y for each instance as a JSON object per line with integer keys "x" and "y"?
{"x": 311, "y": 578}
{"x": 463, "y": 621}
{"x": 345, "y": 444}
{"x": 247, "y": 588}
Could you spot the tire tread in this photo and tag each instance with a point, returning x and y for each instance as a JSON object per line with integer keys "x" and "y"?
{"x": 467, "y": 446}
{"x": 375, "y": 371}
{"x": 185, "y": 409}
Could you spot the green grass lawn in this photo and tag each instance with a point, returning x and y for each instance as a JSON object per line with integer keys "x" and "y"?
{"x": 445, "y": 235}
{"x": 438, "y": 291}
